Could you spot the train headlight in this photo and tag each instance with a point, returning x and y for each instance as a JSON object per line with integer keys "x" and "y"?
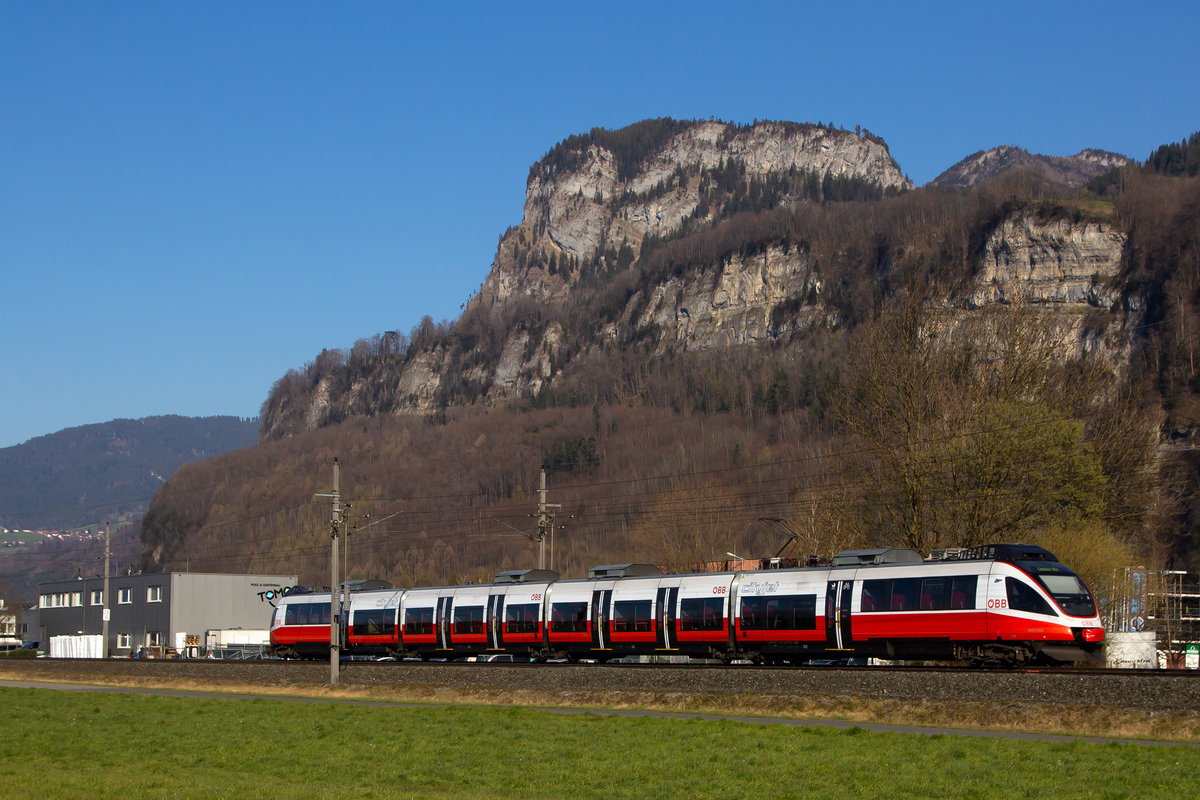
{"x": 1093, "y": 634}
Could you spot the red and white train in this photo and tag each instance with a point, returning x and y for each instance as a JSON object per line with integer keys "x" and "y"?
{"x": 1003, "y": 604}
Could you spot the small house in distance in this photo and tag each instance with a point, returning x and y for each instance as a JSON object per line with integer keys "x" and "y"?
{"x": 155, "y": 610}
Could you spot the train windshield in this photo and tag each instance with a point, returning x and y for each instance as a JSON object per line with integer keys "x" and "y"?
{"x": 1070, "y": 593}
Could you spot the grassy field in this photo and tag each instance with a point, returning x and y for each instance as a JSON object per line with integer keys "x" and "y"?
{"x": 71, "y": 744}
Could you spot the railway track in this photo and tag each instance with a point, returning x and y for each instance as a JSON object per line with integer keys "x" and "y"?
{"x": 1145, "y": 690}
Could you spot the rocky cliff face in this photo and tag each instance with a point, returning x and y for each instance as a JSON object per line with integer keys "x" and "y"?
{"x": 575, "y": 213}
{"x": 591, "y": 208}
{"x": 1054, "y": 262}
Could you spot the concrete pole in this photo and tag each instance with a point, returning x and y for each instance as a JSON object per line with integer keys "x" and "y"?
{"x": 545, "y": 520}
{"x": 542, "y": 522}
{"x": 104, "y": 613}
{"x": 335, "y": 656}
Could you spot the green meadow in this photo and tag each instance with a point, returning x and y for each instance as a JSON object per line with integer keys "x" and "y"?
{"x": 98, "y": 745}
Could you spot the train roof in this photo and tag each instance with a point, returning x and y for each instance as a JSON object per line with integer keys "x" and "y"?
{"x": 883, "y": 555}
{"x": 526, "y": 576}
{"x": 1010, "y": 552}
{"x": 624, "y": 571}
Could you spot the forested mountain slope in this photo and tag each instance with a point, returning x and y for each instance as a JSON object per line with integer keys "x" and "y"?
{"x": 713, "y": 324}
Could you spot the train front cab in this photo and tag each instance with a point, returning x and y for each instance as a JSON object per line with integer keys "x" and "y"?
{"x": 300, "y": 626}
{"x": 1043, "y": 608}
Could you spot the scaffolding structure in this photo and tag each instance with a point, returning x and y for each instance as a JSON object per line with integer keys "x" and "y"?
{"x": 1165, "y": 602}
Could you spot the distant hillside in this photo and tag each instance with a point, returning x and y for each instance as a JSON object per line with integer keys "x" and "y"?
{"x": 85, "y": 475}
{"x": 1073, "y": 171}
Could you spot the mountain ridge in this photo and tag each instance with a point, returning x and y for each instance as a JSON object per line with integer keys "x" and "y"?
{"x": 82, "y": 475}
{"x": 1074, "y": 171}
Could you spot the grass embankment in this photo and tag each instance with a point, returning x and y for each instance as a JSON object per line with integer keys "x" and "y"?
{"x": 68, "y": 744}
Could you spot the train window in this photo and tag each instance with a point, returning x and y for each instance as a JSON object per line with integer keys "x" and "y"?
{"x": 418, "y": 621}
{"x": 1065, "y": 587}
{"x": 796, "y": 612}
{"x": 1023, "y": 597}
{"x": 468, "y": 619}
{"x": 912, "y": 594}
{"x": 904, "y": 594}
{"x": 933, "y": 594}
{"x": 702, "y": 614}
{"x": 568, "y": 618}
{"x": 375, "y": 622}
{"x": 307, "y": 614}
{"x": 630, "y": 616}
{"x": 962, "y": 591}
{"x": 876, "y": 595}
{"x": 521, "y": 618}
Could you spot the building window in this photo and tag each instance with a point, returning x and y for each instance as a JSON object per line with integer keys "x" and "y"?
{"x": 153, "y": 594}
{"x": 154, "y": 638}
{"x": 125, "y": 596}
{"x": 97, "y": 597}
{"x": 76, "y": 599}
{"x": 123, "y": 641}
{"x": 58, "y": 600}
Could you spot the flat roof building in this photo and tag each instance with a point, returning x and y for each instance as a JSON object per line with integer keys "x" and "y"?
{"x": 160, "y": 609}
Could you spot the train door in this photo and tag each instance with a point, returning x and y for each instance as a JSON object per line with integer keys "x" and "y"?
{"x": 442, "y": 616}
{"x": 668, "y": 601}
{"x": 837, "y": 615}
{"x": 601, "y": 600}
{"x": 495, "y": 616}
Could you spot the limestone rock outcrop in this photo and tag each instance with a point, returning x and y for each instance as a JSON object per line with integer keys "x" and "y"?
{"x": 594, "y": 204}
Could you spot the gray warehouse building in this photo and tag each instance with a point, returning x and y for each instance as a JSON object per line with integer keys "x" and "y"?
{"x": 161, "y": 609}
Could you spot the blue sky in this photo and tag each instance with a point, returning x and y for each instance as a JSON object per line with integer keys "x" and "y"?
{"x": 197, "y": 197}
